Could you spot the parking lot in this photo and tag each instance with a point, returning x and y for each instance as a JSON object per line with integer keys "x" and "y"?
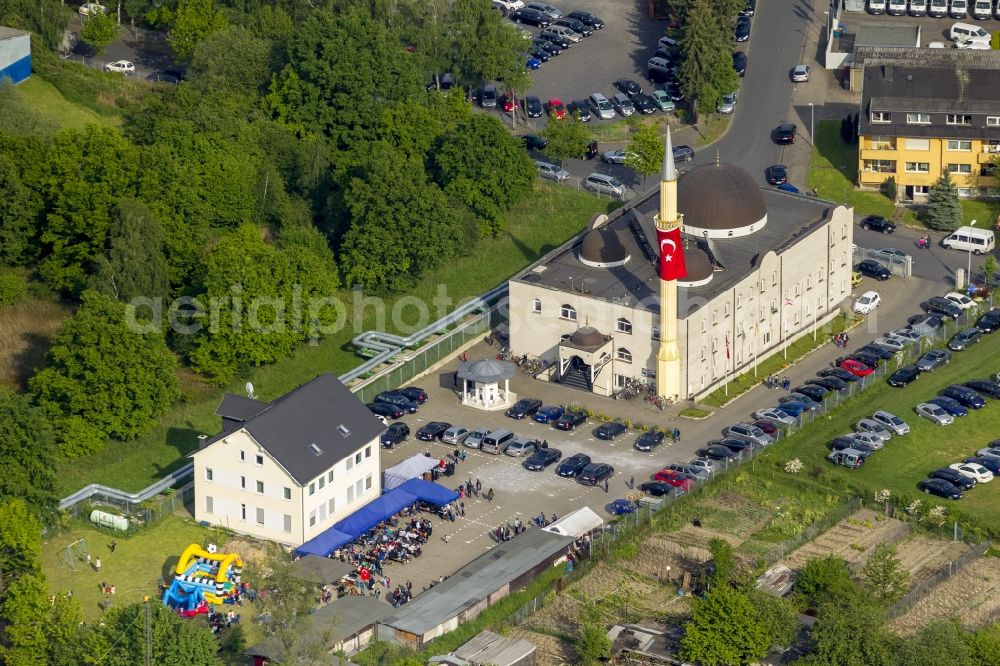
{"x": 931, "y": 29}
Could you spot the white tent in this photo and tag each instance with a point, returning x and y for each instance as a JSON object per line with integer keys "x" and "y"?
{"x": 410, "y": 468}
{"x": 576, "y": 523}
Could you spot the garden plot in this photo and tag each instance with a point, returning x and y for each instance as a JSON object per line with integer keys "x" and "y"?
{"x": 851, "y": 538}
{"x": 659, "y": 552}
{"x": 925, "y": 556}
{"x": 549, "y": 650}
{"x": 727, "y": 516}
{"x": 973, "y": 595}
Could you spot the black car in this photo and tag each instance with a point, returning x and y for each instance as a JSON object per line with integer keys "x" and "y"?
{"x": 675, "y": 94}
{"x": 683, "y": 153}
{"x": 609, "y": 430}
{"x": 954, "y": 477}
{"x": 717, "y": 452}
{"x": 874, "y": 269}
{"x": 817, "y": 393}
{"x": 784, "y": 134}
{"x": 870, "y": 360}
{"x": 964, "y": 395}
{"x": 830, "y": 383}
{"x": 928, "y": 320}
{"x": 841, "y": 443}
{"x": 532, "y": 106}
{"x": 992, "y": 464}
{"x": 580, "y": 110}
{"x": 989, "y": 322}
{"x": 643, "y": 103}
{"x": 878, "y": 223}
{"x": 749, "y": 8}
{"x": 524, "y": 408}
{"x": 592, "y": 151}
{"x": 657, "y": 488}
{"x": 541, "y": 459}
{"x": 649, "y": 440}
{"x": 432, "y": 431}
{"x": 587, "y": 18}
{"x": 736, "y": 446}
{"x": 950, "y": 405}
{"x": 840, "y": 374}
{"x": 985, "y": 387}
{"x": 942, "y": 306}
{"x": 776, "y": 174}
{"x": 740, "y": 62}
{"x": 941, "y": 488}
{"x": 395, "y": 434}
{"x": 576, "y": 26}
{"x": 884, "y": 353}
{"x": 539, "y": 53}
{"x": 904, "y": 376}
{"x": 964, "y": 339}
{"x": 573, "y": 465}
{"x": 768, "y": 426}
{"x": 530, "y": 16}
{"x": 546, "y": 45}
{"x": 386, "y": 409}
{"x": 398, "y": 399}
{"x": 595, "y": 473}
{"x": 743, "y": 29}
{"x": 570, "y": 420}
{"x": 534, "y": 142}
{"x": 418, "y": 395}
{"x": 628, "y": 86}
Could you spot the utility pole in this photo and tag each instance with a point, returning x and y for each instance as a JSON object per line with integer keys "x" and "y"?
{"x": 148, "y": 655}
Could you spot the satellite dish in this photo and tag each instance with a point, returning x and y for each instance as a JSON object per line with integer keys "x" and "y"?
{"x": 249, "y": 388}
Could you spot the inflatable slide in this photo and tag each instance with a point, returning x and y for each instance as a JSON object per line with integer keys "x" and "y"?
{"x": 203, "y": 577}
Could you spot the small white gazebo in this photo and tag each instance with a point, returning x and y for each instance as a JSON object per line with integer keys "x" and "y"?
{"x": 481, "y": 384}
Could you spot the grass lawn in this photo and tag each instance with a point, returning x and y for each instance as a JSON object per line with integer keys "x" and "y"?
{"x": 542, "y": 222}
{"x": 52, "y": 107}
{"x": 715, "y": 126}
{"x": 906, "y": 460}
{"x": 833, "y": 170}
{"x": 983, "y": 212}
{"x": 25, "y": 330}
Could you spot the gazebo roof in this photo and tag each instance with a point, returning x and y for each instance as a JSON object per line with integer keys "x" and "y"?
{"x": 485, "y": 371}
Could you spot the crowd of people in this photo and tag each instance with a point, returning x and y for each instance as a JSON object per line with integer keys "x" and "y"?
{"x": 220, "y": 621}
{"x": 772, "y": 382}
{"x": 392, "y": 540}
{"x": 841, "y": 340}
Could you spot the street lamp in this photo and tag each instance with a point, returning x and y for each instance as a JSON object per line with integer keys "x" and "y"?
{"x": 812, "y": 123}
{"x": 968, "y": 271}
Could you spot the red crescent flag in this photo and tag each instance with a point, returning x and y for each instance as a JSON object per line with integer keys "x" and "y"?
{"x": 727, "y": 346}
{"x": 671, "y": 254}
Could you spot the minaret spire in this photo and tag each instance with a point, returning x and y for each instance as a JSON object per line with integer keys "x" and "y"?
{"x": 669, "y": 168}
{"x": 668, "y": 223}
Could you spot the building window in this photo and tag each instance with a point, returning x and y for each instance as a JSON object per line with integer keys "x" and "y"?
{"x": 329, "y": 476}
{"x": 960, "y": 168}
{"x": 918, "y": 119}
{"x": 880, "y": 166}
{"x": 312, "y": 518}
{"x": 260, "y": 461}
{"x": 243, "y": 456}
{"x": 536, "y": 305}
{"x": 350, "y": 464}
{"x": 958, "y": 119}
{"x": 655, "y": 333}
{"x": 243, "y": 511}
{"x": 260, "y": 487}
{"x": 357, "y": 458}
{"x": 704, "y": 325}
{"x": 881, "y": 117}
{"x": 955, "y": 144}
{"x": 331, "y": 505}
{"x": 260, "y": 516}
{"x": 322, "y": 482}
{"x": 993, "y": 121}
{"x": 620, "y": 381}
{"x": 209, "y": 474}
{"x": 648, "y": 374}
{"x": 774, "y": 278}
{"x": 243, "y": 483}
{"x": 312, "y": 489}
{"x": 209, "y": 504}
{"x": 739, "y": 301}
{"x": 322, "y": 512}
{"x": 359, "y": 488}
{"x": 623, "y": 325}
{"x": 287, "y": 493}
{"x": 702, "y": 353}
{"x": 965, "y": 191}
{"x": 624, "y": 355}
{"x": 725, "y": 309}
{"x": 767, "y": 338}
{"x": 350, "y": 494}
{"x": 368, "y": 482}
{"x": 568, "y": 312}
{"x": 715, "y": 317}
{"x": 368, "y": 452}
{"x": 921, "y": 189}
{"x": 918, "y": 167}
{"x": 287, "y": 524}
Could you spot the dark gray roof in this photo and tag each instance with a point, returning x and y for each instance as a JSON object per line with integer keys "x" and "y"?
{"x": 477, "y": 580}
{"x": 789, "y": 218}
{"x": 319, "y": 415}
{"x": 237, "y": 408}
{"x": 10, "y": 33}
{"x": 865, "y": 56}
{"x": 885, "y": 34}
{"x": 320, "y": 570}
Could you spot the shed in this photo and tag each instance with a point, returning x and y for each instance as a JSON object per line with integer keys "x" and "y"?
{"x": 492, "y": 649}
{"x": 15, "y": 54}
{"x": 576, "y": 523}
{"x": 411, "y": 468}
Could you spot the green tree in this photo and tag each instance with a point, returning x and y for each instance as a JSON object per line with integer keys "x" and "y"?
{"x": 45, "y": 18}
{"x": 725, "y": 629}
{"x": 486, "y": 47}
{"x": 566, "y": 138}
{"x": 943, "y": 210}
{"x": 593, "y": 645}
{"x": 134, "y": 264}
{"x": 484, "y": 167}
{"x": 24, "y": 610}
{"x": 851, "y": 634}
{"x": 100, "y": 30}
{"x": 824, "y": 579}
{"x": 27, "y": 455}
{"x": 645, "y": 150}
{"x": 193, "y": 22}
{"x": 20, "y": 541}
{"x": 989, "y": 268}
{"x": 707, "y": 70}
{"x": 984, "y": 645}
{"x": 884, "y": 574}
{"x": 234, "y": 60}
{"x": 102, "y": 370}
{"x": 779, "y": 616}
{"x": 120, "y": 640}
{"x": 940, "y": 643}
{"x": 19, "y": 211}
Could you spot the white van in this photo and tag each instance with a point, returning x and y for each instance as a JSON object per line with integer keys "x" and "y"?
{"x": 962, "y": 31}
{"x": 938, "y": 9}
{"x": 918, "y": 7}
{"x": 958, "y": 8}
{"x": 876, "y": 6}
{"x": 896, "y": 8}
{"x": 602, "y": 183}
{"x": 982, "y": 10}
{"x": 970, "y": 239}
{"x": 496, "y": 441}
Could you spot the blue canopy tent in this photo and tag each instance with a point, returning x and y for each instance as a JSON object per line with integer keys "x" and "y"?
{"x": 324, "y": 543}
{"x": 429, "y": 491}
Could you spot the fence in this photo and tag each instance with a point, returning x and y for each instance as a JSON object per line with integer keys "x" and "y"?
{"x": 925, "y": 587}
{"x": 140, "y": 514}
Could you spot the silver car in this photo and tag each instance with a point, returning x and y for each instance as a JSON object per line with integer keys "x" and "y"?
{"x": 521, "y": 446}
{"x": 775, "y": 415}
{"x": 662, "y": 100}
{"x": 891, "y": 422}
{"x": 455, "y": 435}
{"x": 475, "y": 438}
{"x": 800, "y": 74}
{"x": 728, "y": 103}
{"x": 748, "y": 433}
{"x": 551, "y": 171}
{"x": 935, "y": 358}
{"x": 698, "y": 473}
{"x": 871, "y": 440}
{"x": 873, "y": 427}
{"x": 705, "y": 464}
{"x": 600, "y": 183}
{"x": 934, "y": 413}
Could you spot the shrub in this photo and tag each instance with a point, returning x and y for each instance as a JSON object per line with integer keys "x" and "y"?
{"x": 13, "y": 286}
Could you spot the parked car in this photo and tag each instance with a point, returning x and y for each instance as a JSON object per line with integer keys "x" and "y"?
{"x": 812, "y": 391}
{"x": 541, "y": 459}
{"x": 991, "y": 451}
{"x": 718, "y": 452}
{"x": 549, "y": 414}
{"x": 749, "y": 433}
{"x": 386, "y": 409}
{"x": 768, "y": 426}
{"x": 740, "y": 62}
{"x": 954, "y": 477}
{"x": 551, "y": 171}
{"x": 878, "y": 351}
{"x": 658, "y": 488}
{"x": 873, "y": 269}
{"x": 628, "y": 86}
{"x": 949, "y": 405}
{"x": 776, "y": 174}
{"x": 800, "y": 73}
{"x": 520, "y": 447}
{"x": 985, "y": 387}
{"x": 933, "y": 359}
{"x": 934, "y": 413}
{"x": 784, "y": 134}
{"x": 942, "y": 306}
{"x": 807, "y": 402}
{"x": 531, "y": 17}
{"x": 649, "y": 440}
{"x": 120, "y": 67}
{"x": 395, "y": 434}
{"x": 610, "y": 430}
{"x": 697, "y": 473}
{"x": 644, "y": 103}
{"x": 601, "y": 183}
{"x": 547, "y": 46}
{"x": 992, "y": 464}
{"x": 705, "y": 464}
{"x": 840, "y": 374}
{"x": 573, "y": 465}
{"x": 662, "y": 100}
{"x": 578, "y": 27}
{"x": 878, "y": 223}
{"x": 475, "y": 438}
{"x": 433, "y": 430}
{"x": 850, "y": 458}
{"x": 974, "y": 471}
{"x": 743, "y": 29}
{"x": 532, "y": 106}
{"x": 830, "y": 383}
{"x": 961, "y": 300}
{"x": 964, "y": 339}
{"x": 455, "y": 435}
{"x": 891, "y": 422}
{"x": 906, "y": 334}
{"x": 964, "y": 395}
{"x": 727, "y": 104}
{"x": 775, "y": 414}
{"x": 892, "y": 342}
{"x": 683, "y": 153}
{"x": 92, "y": 9}
{"x": 867, "y": 302}
{"x": 737, "y": 446}
{"x": 534, "y": 142}
{"x": 524, "y": 408}
{"x": 868, "y": 438}
{"x": 856, "y": 368}
{"x": 875, "y": 428}
{"x": 580, "y": 110}
{"x": 595, "y": 473}
{"x": 792, "y": 407}
{"x": 871, "y": 360}
{"x": 570, "y": 420}
{"x": 675, "y": 479}
{"x": 904, "y": 376}
{"x": 546, "y": 9}
{"x": 941, "y": 488}
{"x": 398, "y": 399}
{"x": 851, "y": 444}
{"x": 587, "y": 18}
{"x": 989, "y": 322}
{"x": 616, "y": 156}
{"x": 418, "y": 395}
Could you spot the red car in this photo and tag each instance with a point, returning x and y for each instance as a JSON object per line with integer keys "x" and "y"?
{"x": 557, "y": 109}
{"x": 856, "y": 368}
{"x": 676, "y": 479}
{"x": 506, "y": 103}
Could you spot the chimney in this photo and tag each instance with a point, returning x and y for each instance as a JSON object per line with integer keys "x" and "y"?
{"x": 887, "y": 72}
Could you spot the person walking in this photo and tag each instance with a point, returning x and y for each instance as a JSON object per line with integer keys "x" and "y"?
{"x": 605, "y": 485}
{"x": 479, "y": 486}
{"x": 631, "y": 483}
{"x": 454, "y": 379}
{"x": 97, "y": 564}
{"x": 677, "y": 434}
{"x": 489, "y": 495}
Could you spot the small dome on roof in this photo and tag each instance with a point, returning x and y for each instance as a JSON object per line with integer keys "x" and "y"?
{"x": 588, "y": 336}
{"x": 603, "y": 248}
{"x": 699, "y": 268}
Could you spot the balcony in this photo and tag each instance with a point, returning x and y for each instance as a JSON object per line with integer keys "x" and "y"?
{"x": 988, "y": 155}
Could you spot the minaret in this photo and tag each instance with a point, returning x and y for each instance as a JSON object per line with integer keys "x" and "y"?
{"x": 668, "y": 362}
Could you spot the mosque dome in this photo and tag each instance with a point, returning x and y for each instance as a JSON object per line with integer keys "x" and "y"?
{"x": 587, "y": 336}
{"x": 722, "y": 200}
{"x": 699, "y": 268}
{"x": 603, "y": 248}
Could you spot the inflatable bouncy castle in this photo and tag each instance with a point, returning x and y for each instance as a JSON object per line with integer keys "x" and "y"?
{"x": 203, "y": 577}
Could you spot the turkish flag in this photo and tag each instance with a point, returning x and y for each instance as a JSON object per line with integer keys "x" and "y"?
{"x": 671, "y": 254}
